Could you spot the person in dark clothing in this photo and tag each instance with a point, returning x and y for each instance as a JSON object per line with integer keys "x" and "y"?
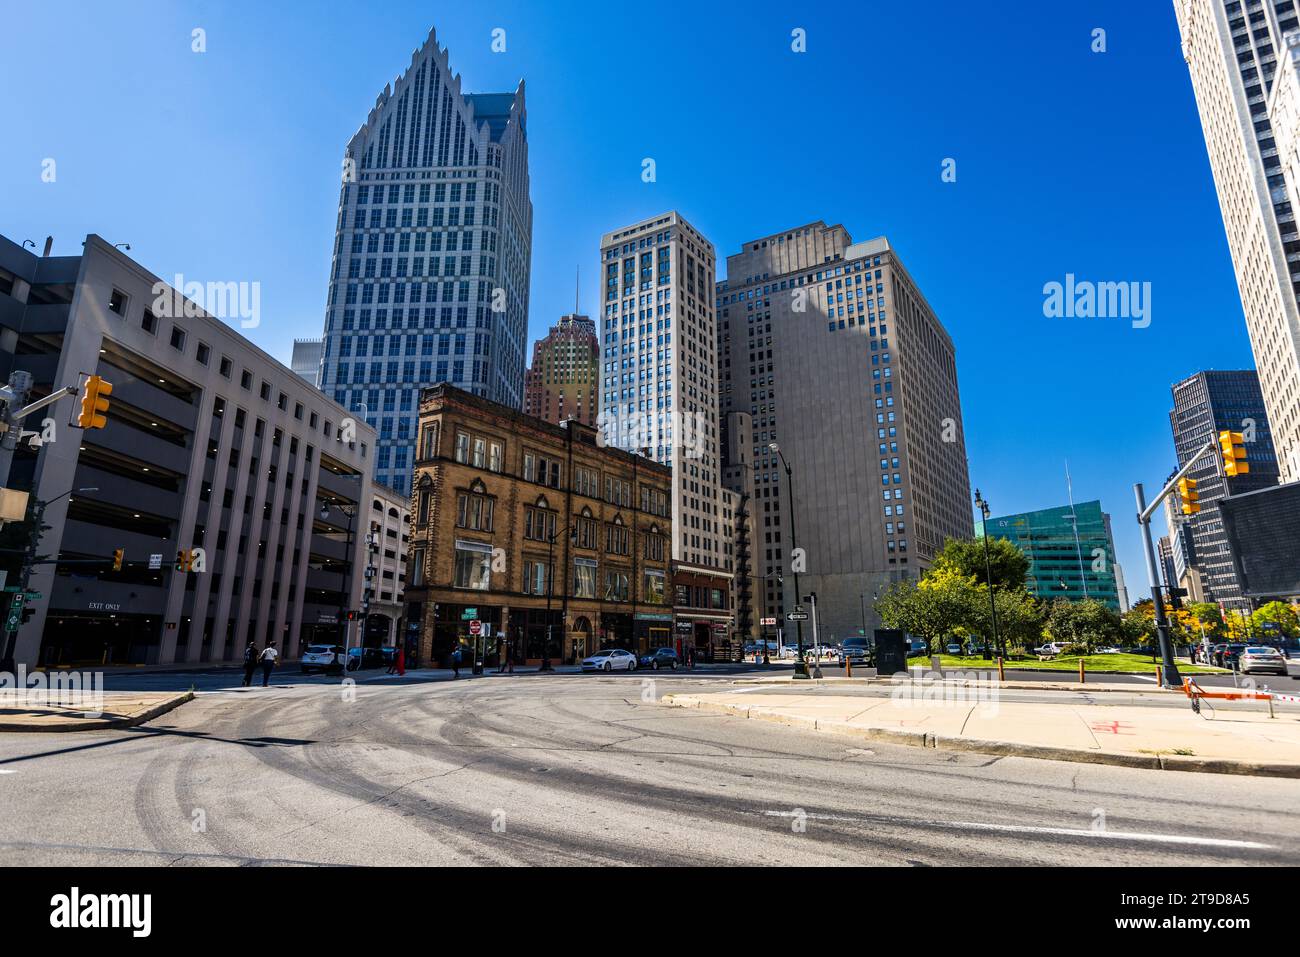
{"x": 268, "y": 657}
{"x": 455, "y": 661}
{"x": 250, "y": 663}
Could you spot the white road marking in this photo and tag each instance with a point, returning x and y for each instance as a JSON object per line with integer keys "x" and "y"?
{"x": 1025, "y": 829}
{"x": 3, "y": 771}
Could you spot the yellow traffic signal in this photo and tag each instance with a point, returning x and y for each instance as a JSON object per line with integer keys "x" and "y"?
{"x": 119, "y": 555}
{"x": 1188, "y": 495}
{"x": 1233, "y": 447}
{"x": 94, "y": 403}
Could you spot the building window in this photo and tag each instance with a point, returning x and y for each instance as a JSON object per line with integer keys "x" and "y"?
{"x": 617, "y": 540}
{"x": 417, "y": 570}
{"x": 178, "y": 338}
{"x": 652, "y": 587}
{"x": 474, "y": 511}
{"x": 462, "y": 448}
{"x": 429, "y": 442}
{"x": 117, "y": 303}
{"x": 584, "y": 578}
{"x": 496, "y": 457}
{"x": 616, "y": 585}
{"x": 588, "y": 531}
{"x": 473, "y": 565}
{"x": 534, "y": 577}
{"x": 654, "y": 548}
{"x": 539, "y": 524}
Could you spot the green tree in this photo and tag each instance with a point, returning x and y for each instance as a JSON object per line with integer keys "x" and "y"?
{"x": 1205, "y": 615}
{"x": 1089, "y": 623}
{"x": 965, "y": 556}
{"x": 1275, "y": 619}
{"x": 932, "y": 608}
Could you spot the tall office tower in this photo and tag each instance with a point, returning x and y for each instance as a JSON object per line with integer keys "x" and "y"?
{"x": 429, "y": 280}
{"x": 1243, "y": 57}
{"x": 305, "y": 362}
{"x": 564, "y": 380}
{"x": 1204, "y": 405}
{"x": 837, "y": 357}
{"x": 660, "y": 372}
{"x": 1070, "y": 549}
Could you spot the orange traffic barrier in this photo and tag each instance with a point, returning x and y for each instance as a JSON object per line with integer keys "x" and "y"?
{"x": 1193, "y": 690}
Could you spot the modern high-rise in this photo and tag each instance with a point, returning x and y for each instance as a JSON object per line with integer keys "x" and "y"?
{"x": 305, "y": 362}
{"x": 1070, "y": 548}
{"x": 660, "y": 371}
{"x": 1205, "y": 404}
{"x": 1243, "y": 57}
{"x": 564, "y": 380}
{"x": 836, "y": 356}
{"x": 432, "y": 252}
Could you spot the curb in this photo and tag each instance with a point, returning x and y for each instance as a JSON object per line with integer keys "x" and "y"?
{"x": 1009, "y": 685}
{"x": 103, "y": 724}
{"x": 924, "y": 739}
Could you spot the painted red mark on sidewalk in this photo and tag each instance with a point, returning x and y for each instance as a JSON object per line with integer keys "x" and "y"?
{"x": 1113, "y": 727}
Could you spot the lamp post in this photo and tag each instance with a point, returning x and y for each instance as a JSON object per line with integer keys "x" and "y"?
{"x": 983, "y": 506}
{"x": 800, "y": 666}
{"x": 572, "y": 532}
{"x": 346, "y": 575}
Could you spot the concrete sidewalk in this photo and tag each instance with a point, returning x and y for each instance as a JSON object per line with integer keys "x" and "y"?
{"x": 1236, "y": 741}
{"x": 120, "y": 709}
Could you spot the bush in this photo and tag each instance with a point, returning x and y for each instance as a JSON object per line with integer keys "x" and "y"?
{"x": 1075, "y": 648}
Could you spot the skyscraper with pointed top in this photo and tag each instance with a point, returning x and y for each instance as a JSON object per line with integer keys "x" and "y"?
{"x": 432, "y": 254}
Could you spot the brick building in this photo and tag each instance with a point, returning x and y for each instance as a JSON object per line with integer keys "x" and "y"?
{"x": 532, "y": 528}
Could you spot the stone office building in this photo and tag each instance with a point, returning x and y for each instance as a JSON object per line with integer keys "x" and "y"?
{"x": 209, "y": 443}
{"x": 533, "y": 530}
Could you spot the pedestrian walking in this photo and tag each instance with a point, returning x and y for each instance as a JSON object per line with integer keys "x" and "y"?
{"x": 510, "y": 658}
{"x": 250, "y": 663}
{"x": 267, "y": 658}
{"x": 392, "y": 663}
{"x": 401, "y": 661}
{"x": 455, "y": 661}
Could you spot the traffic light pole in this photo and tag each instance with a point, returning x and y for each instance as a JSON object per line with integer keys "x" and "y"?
{"x": 1172, "y": 679}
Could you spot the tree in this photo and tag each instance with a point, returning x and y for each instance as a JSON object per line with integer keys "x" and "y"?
{"x": 965, "y": 556}
{"x": 1089, "y": 623}
{"x": 1205, "y": 615}
{"x": 1275, "y": 620}
{"x": 932, "y": 608}
{"x": 1020, "y": 617}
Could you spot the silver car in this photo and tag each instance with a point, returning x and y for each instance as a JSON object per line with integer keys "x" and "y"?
{"x": 610, "y": 659}
{"x": 1262, "y": 659}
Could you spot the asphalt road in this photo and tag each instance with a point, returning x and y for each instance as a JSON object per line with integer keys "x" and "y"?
{"x": 585, "y": 769}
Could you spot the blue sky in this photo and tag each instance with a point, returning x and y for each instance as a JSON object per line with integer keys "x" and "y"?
{"x": 224, "y": 166}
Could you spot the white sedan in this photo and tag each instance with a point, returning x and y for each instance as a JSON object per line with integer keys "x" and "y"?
{"x": 611, "y": 659}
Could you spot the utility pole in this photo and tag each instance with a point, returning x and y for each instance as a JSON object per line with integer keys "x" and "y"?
{"x": 983, "y": 506}
{"x": 1172, "y": 679}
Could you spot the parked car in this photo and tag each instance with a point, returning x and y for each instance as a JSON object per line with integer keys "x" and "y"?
{"x": 954, "y": 648}
{"x": 1216, "y": 654}
{"x": 1263, "y": 659}
{"x": 661, "y": 658}
{"x": 788, "y": 651}
{"x": 917, "y": 646}
{"x": 328, "y": 658}
{"x": 1050, "y": 648}
{"x": 1232, "y": 654}
{"x": 610, "y": 659}
{"x": 362, "y": 658}
{"x": 1108, "y": 651}
{"x": 857, "y": 650}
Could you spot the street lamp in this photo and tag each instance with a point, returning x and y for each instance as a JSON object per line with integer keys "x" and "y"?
{"x": 800, "y": 666}
{"x": 572, "y": 532}
{"x": 983, "y": 506}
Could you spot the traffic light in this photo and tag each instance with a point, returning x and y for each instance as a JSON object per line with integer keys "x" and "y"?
{"x": 119, "y": 556}
{"x": 94, "y": 403}
{"x": 1233, "y": 447}
{"x": 184, "y": 560}
{"x": 1188, "y": 495}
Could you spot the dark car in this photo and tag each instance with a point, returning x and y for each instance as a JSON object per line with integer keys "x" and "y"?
{"x": 361, "y": 658}
{"x": 658, "y": 658}
{"x": 1232, "y": 653}
{"x": 857, "y": 650}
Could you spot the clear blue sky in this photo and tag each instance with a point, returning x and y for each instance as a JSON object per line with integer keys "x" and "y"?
{"x": 225, "y": 165}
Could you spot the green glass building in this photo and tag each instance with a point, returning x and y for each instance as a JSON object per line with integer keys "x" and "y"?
{"x": 1061, "y": 564}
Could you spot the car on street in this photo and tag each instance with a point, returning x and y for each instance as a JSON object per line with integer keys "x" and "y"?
{"x": 328, "y": 658}
{"x": 610, "y": 659}
{"x": 857, "y": 650}
{"x": 1262, "y": 659}
{"x": 788, "y": 651}
{"x": 1232, "y": 654}
{"x": 363, "y": 658}
{"x": 660, "y": 658}
{"x": 1050, "y": 648}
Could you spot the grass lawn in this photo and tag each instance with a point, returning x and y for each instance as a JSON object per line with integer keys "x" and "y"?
{"x": 1141, "y": 664}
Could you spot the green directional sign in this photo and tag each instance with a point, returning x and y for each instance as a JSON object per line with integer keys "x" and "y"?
{"x": 34, "y": 596}
{"x": 469, "y": 614}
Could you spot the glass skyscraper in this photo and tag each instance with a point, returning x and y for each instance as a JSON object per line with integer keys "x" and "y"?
{"x": 1070, "y": 549}
{"x": 432, "y": 254}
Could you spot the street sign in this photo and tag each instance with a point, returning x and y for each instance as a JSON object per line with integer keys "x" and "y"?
{"x": 34, "y": 596}
{"x": 768, "y": 621}
{"x": 469, "y": 614}
{"x": 155, "y": 562}
{"x": 797, "y": 616}
{"x": 476, "y": 627}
